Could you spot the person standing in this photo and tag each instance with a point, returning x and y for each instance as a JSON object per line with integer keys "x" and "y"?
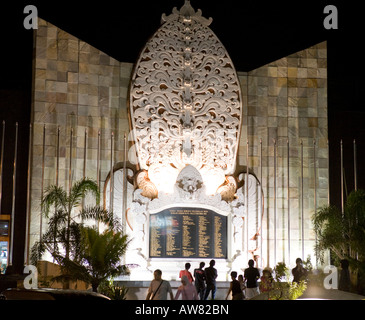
{"x": 235, "y": 288}
{"x": 299, "y": 272}
{"x": 186, "y": 290}
{"x": 242, "y": 284}
{"x": 186, "y": 272}
{"x": 266, "y": 281}
{"x": 251, "y": 275}
{"x": 159, "y": 288}
{"x": 211, "y": 275}
{"x": 199, "y": 276}
{"x": 345, "y": 281}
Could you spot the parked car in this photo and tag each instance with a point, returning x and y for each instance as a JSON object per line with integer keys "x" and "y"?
{"x": 50, "y": 294}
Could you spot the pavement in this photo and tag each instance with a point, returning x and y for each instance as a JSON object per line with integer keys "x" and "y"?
{"x": 320, "y": 293}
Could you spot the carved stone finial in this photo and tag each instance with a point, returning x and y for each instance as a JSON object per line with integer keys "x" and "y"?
{"x": 187, "y": 11}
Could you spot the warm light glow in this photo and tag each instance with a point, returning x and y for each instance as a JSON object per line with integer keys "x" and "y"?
{"x": 213, "y": 178}
{"x": 163, "y": 177}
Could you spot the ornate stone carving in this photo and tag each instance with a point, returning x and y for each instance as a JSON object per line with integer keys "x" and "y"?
{"x": 189, "y": 179}
{"x": 149, "y": 190}
{"x": 188, "y": 12}
{"x": 185, "y": 99}
{"x": 228, "y": 189}
{"x": 186, "y": 109}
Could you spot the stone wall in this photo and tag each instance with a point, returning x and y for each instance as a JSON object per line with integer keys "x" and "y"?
{"x": 77, "y": 86}
{"x": 286, "y": 101}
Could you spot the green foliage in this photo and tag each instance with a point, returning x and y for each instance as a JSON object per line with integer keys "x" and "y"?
{"x": 63, "y": 233}
{"x": 329, "y": 227}
{"x": 99, "y": 257}
{"x": 296, "y": 289}
{"x": 82, "y": 252}
{"x": 343, "y": 234}
{"x": 283, "y": 289}
{"x": 281, "y": 272}
{"x": 108, "y": 289}
{"x": 307, "y": 264}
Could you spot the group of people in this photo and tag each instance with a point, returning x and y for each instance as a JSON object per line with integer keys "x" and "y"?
{"x": 204, "y": 284}
{"x": 252, "y": 275}
{"x": 241, "y": 287}
{"x": 246, "y": 286}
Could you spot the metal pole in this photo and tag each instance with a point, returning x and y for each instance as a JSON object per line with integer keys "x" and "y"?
{"x": 84, "y": 165}
{"x": 125, "y": 185}
{"x": 85, "y": 152}
{"x": 98, "y": 162}
{"x": 261, "y": 202}
{"x": 328, "y": 192}
{"x": 58, "y": 155}
{"x": 302, "y": 195}
{"x": 315, "y": 174}
{"x": 42, "y": 183}
{"x": 328, "y": 173}
{"x": 288, "y": 196}
{"x": 275, "y": 243}
{"x": 1, "y": 163}
{"x": 355, "y": 183}
{"x": 247, "y": 146}
{"x": 98, "y": 173}
{"x": 111, "y": 181}
{"x": 355, "y": 166}
{"x": 57, "y": 174}
{"x": 70, "y": 164}
{"x": 342, "y": 195}
{"x": 315, "y": 185}
{"x": 27, "y": 220}
{"x": 13, "y": 199}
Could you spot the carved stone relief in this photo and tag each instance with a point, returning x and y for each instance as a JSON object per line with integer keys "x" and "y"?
{"x": 186, "y": 114}
{"x": 185, "y": 100}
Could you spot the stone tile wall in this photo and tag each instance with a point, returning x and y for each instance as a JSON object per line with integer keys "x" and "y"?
{"x": 78, "y": 87}
{"x": 286, "y": 101}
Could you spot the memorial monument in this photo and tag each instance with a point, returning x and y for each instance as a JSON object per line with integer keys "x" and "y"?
{"x": 214, "y": 164}
{"x": 186, "y": 116}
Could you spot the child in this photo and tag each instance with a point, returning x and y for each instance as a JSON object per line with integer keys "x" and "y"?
{"x": 266, "y": 280}
{"x": 235, "y": 288}
{"x": 242, "y": 284}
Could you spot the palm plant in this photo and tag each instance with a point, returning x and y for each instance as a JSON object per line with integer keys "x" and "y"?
{"x": 99, "y": 257}
{"x": 343, "y": 233}
{"x": 63, "y": 237}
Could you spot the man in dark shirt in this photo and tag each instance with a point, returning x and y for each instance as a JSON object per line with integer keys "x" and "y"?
{"x": 210, "y": 276}
{"x": 299, "y": 272}
{"x": 199, "y": 276}
{"x": 251, "y": 276}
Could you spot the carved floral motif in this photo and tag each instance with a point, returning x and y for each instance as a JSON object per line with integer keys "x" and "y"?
{"x": 185, "y": 98}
